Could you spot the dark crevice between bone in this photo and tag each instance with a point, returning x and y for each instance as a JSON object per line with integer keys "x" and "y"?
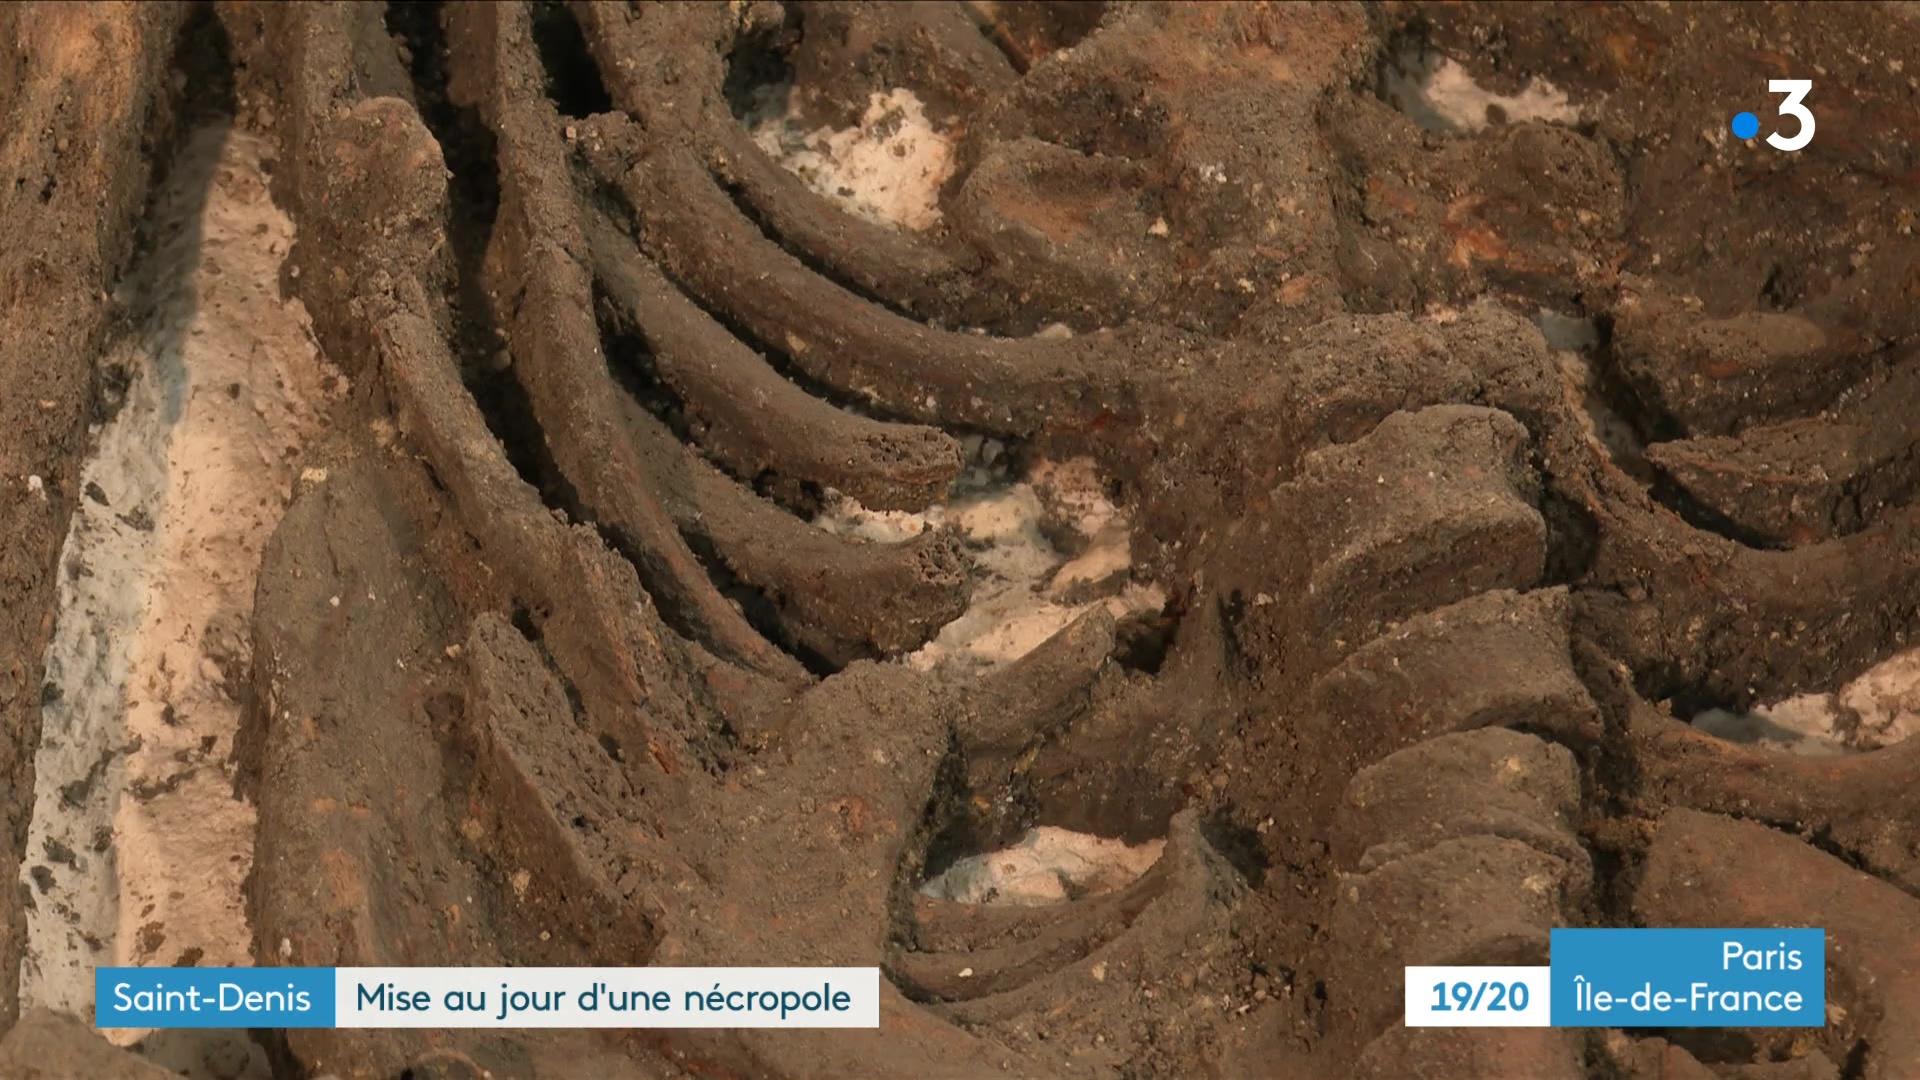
{"x": 523, "y": 620}
{"x": 1637, "y": 403}
{"x": 757, "y": 63}
{"x": 761, "y": 612}
{"x": 1698, "y": 514}
{"x": 1400, "y": 48}
{"x": 1240, "y": 846}
{"x": 1003, "y": 41}
{"x": 1855, "y": 1067}
{"x": 473, "y": 193}
{"x": 1573, "y": 538}
{"x": 1783, "y": 289}
{"x": 1026, "y": 31}
{"x": 1573, "y": 534}
{"x": 498, "y": 396}
{"x": 1821, "y": 837}
{"x": 937, "y": 843}
{"x": 615, "y": 205}
{"x": 1652, "y": 423}
{"x": 952, "y": 831}
{"x": 630, "y": 364}
{"x": 807, "y": 258}
{"x": 204, "y": 57}
{"x": 1616, "y": 390}
{"x": 1141, "y": 640}
{"x": 1667, "y": 685}
{"x": 1230, "y": 611}
{"x": 573, "y": 79}
{"x": 1611, "y": 784}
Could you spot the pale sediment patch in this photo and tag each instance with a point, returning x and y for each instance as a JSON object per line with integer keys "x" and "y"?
{"x": 1879, "y": 708}
{"x": 1047, "y": 866}
{"x": 1440, "y": 94}
{"x": 888, "y": 169}
{"x": 1573, "y": 343}
{"x": 138, "y": 847}
{"x": 1046, "y": 548}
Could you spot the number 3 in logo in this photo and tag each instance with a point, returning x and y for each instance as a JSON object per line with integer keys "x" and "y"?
{"x": 1796, "y": 91}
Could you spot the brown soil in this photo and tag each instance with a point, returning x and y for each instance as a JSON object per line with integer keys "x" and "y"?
{"x": 551, "y": 666}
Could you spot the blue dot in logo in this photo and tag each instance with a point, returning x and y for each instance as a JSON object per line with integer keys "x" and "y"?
{"x": 1745, "y": 125}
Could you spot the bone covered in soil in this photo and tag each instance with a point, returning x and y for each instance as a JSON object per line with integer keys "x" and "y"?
{"x": 143, "y": 844}
{"x": 1047, "y": 865}
{"x": 888, "y": 169}
{"x": 1027, "y": 588}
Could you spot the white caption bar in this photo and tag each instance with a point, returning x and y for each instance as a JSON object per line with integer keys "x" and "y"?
{"x": 1490, "y": 996}
{"x": 644, "y": 997}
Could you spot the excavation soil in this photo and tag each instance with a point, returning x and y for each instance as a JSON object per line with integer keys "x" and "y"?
{"x": 1139, "y": 522}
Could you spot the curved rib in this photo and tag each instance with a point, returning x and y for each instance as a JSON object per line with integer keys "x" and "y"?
{"x": 1812, "y": 478}
{"x": 536, "y": 258}
{"x": 1000, "y": 385}
{"x": 879, "y": 259}
{"x": 900, "y": 267}
{"x": 573, "y": 581}
{"x": 840, "y": 599}
{"x": 753, "y": 419}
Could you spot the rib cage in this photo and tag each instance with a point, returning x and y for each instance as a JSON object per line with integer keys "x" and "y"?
{"x": 1439, "y": 477}
{"x": 1427, "y": 634}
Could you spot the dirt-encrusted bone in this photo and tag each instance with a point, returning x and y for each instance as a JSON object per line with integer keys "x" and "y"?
{"x": 753, "y": 419}
{"x": 861, "y": 350}
{"x": 834, "y": 597}
{"x": 1147, "y": 930}
{"x": 1814, "y": 477}
{"x": 1429, "y": 508}
{"x": 596, "y": 690}
{"x": 1708, "y": 870}
{"x": 1465, "y": 854}
{"x": 1472, "y": 1053}
{"x": 1433, "y": 674}
{"x": 46, "y": 1045}
{"x": 1859, "y": 803}
{"x": 554, "y": 808}
{"x": 538, "y": 266}
{"x": 1488, "y": 782}
{"x": 1713, "y": 375}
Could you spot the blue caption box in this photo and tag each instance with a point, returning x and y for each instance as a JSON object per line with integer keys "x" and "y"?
{"x": 1661, "y": 977}
{"x": 213, "y": 997}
